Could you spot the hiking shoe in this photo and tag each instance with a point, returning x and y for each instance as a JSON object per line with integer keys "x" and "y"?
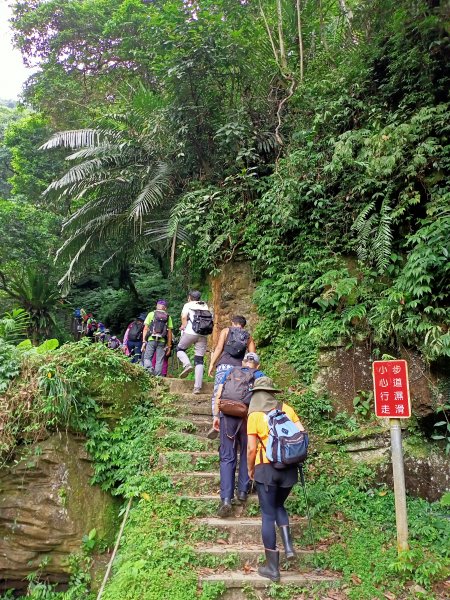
{"x": 197, "y": 390}
{"x": 225, "y": 508}
{"x": 212, "y": 434}
{"x": 185, "y": 372}
{"x": 242, "y": 496}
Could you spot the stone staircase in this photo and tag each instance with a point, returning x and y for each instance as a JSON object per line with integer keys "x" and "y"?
{"x": 231, "y": 546}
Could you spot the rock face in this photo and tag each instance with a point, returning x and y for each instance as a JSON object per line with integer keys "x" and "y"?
{"x": 232, "y": 292}
{"x": 343, "y": 373}
{"x": 46, "y": 506}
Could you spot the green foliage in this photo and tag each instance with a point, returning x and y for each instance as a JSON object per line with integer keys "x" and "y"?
{"x": 65, "y": 388}
{"x": 31, "y": 171}
{"x": 35, "y": 292}
{"x": 348, "y": 501}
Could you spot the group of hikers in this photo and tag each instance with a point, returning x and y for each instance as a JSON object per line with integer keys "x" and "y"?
{"x": 266, "y": 434}
{"x": 251, "y": 423}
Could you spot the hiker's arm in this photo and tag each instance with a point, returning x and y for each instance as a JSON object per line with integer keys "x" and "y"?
{"x": 299, "y": 426}
{"x": 216, "y": 420}
{"x": 251, "y": 454}
{"x": 218, "y": 350}
{"x": 251, "y": 346}
{"x": 144, "y": 337}
{"x": 169, "y": 338}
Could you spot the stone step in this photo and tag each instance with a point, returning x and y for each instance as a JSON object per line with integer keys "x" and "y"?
{"x": 191, "y": 397}
{"x": 245, "y": 529}
{"x": 236, "y": 581}
{"x": 202, "y": 423}
{"x": 238, "y": 555}
{"x": 188, "y": 442}
{"x": 185, "y": 386}
{"x": 197, "y": 482}
{"x": 195, "y": 408}
{"x": 198, "y": 461}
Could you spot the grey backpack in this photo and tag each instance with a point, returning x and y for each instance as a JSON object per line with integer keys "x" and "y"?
{"x": 238, "y": 385}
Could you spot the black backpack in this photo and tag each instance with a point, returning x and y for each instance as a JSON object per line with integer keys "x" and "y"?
{"x": 238, "y": 385}
{"x": 236, "y": 343}
{"x": 158, "y": 327}
{"x": 202, "y": 323}
{"x": 135, "y": 332}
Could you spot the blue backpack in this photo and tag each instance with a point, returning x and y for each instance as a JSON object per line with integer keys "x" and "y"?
{"x": 286, "y": 444}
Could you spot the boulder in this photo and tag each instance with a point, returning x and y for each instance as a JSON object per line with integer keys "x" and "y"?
{"x": 343, "y": 373}
{"x": 46, "y": 506}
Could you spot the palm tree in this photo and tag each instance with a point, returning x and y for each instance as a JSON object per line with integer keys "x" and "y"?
{"x": 119, "y": 185}
{"x": 34, "y": 292}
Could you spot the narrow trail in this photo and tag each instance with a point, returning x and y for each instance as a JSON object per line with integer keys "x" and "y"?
{"x": 233, "y": 544}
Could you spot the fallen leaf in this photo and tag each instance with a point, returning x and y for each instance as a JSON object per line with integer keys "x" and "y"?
{"x": 248, "y": 568}
{"x": 389, "y": 596}
{"x": 356, "y": 580}
{"x": 145, "y": 496}
{"x": 222, "y": 542}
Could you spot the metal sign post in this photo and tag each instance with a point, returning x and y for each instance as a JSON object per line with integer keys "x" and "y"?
{"x": 391, "y": 391}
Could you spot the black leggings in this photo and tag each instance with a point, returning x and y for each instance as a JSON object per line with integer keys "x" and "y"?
{"x": 271, "y": 502}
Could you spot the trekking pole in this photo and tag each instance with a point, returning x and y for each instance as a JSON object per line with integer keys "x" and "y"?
{"x": 308, "y": 514}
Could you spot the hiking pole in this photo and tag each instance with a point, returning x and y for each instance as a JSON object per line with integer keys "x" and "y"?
{"x": 308, "y": 514}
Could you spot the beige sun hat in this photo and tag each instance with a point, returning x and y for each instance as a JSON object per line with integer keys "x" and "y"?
{"x": 265, "y": 384}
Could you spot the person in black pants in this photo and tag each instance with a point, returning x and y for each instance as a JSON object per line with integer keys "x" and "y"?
{"x": 273, "y": 485}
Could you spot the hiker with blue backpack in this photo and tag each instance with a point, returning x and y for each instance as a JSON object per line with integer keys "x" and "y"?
{"x": 277, "y": 446}
{"x": 230, "y": 420}
{"x": 233, "y": 344}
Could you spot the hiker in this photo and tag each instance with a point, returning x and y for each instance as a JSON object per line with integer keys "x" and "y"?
{"x": 273, "y": 485}
{"x": 132, "y": 340}
{"x": 234, "y": 342}
{"x": 157, "y": 339}
{"x": 236, "y": 385}
{"x": 165, "y": 365}
{"x": 196, "y": 325}
{"x": 114, "y": 343}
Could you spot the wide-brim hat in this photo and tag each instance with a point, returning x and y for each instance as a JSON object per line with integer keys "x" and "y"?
{"x": 265, "y": 384}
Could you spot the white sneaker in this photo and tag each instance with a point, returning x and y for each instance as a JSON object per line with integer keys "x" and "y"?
{"x": 197, "y": 390}
{"x": 185, "y": 372}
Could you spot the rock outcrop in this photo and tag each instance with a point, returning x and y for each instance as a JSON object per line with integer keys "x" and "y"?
{"x": 46, "y": 506}
{"x": 232, "y": 293}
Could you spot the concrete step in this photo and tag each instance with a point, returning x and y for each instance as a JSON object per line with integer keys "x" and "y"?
{"x": 236, "y": 581}
{"x": 240, "y": 554}
{"x": 188, "y": 442}
{"x": 197, "y": 482}
{"x": 244, "y": 530}
{"x": 185, "y": 386}
{"x": 198, "y": 461}
{"x": 195, "y": 407}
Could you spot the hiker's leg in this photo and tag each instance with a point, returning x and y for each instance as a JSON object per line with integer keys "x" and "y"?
{"x": 227, "y": 454}
{"x": 160, "y": 353}
{"x": 185, "y": 342}
{"x": 282, "y": 516}
{"x": 165, "y": 366}
{"x": 150, "y": 349}
{"x": 199, "y": 357}
{"x": 267, "y": 504}
{"x": 243, "y": 478}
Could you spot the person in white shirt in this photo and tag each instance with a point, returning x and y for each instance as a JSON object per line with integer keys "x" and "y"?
{"x": 196, "y": 324}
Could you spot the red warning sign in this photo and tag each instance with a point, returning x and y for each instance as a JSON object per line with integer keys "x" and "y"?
{"x": 391, "y": 389}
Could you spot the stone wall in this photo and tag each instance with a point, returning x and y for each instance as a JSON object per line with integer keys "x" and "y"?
{"x": 232, "y": 293}
{"x": 46, "y": 506}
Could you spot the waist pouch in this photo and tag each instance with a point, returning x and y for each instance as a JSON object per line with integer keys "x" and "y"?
{"x": 233, "y": 408}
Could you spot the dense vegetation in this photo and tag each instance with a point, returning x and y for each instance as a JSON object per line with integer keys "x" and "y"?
{"x": 159, "y": 140}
